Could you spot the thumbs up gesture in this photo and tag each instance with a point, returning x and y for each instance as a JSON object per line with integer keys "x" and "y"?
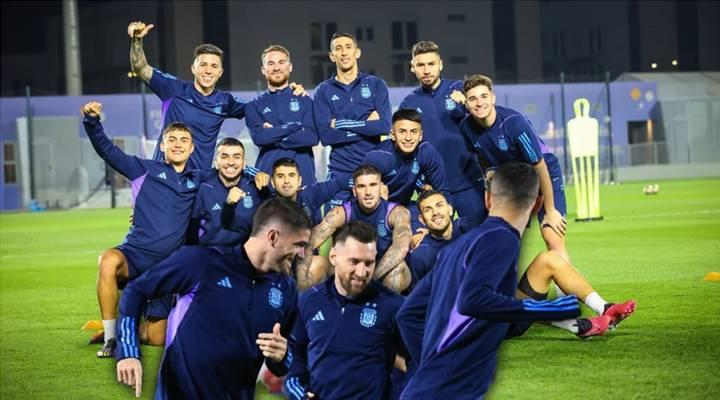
{"x": 273, "y": 345}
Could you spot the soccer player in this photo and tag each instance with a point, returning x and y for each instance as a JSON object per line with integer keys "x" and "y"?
{"x": 454, "y": 321}
{"x": 352, "y": 110}
{"x": 280, "y": 122}
{"x": 163, "y": 194}
{"x": 205, "y": 224}
{"x": 345, "y": 339}
{"x": 441, "y": 103}
{"x": 391, "y": 221}
{"x": 499, "y": 135}
{"x": 406, "y": 158}
{"x": 237, "y": 307}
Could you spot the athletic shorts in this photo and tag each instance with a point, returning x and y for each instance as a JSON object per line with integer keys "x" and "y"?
{"x": 558, "y": 186}
{"x": 470, "y": 201}
{"x": 138, "y": 262}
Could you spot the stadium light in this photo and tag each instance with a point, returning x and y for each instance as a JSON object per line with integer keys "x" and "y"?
{"x": 674, "y": 62}
{"x": 653, "y": 65}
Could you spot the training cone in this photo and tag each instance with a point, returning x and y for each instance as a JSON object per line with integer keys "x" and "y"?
{"x": 713, "y": 277}
{"x": 92, "y": 325}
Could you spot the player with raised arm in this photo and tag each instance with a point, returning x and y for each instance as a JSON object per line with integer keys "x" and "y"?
{"x": 499, "y": 135}
{"x": 237, "y": 308}
{"x": 281, "y": 122}
{"x": 163, "y": 195}
{"x": 352, "y": 110}
{"x": 391, "y": 221}
{"x": 454, "y": 321}
{"x": 205, "y": 224}
{"x": 346, "y": 335}
{"x": 442, "y": 105}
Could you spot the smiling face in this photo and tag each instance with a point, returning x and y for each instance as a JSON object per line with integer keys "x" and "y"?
{"x": 276, "y": 68}
{"x": 367, "y": 191}
{"x": 480, "y": 101}
{"x": 287, "y": 244}
{"x": 354, "y": 263}
{"x": 207, "y": 70}
{"x": 177, "y": 145}
{"x": 287, "y": 181}
{"x": 436, "y": 214}
{"x": 344, "y": 53}
{"x": 230, "y": 161}
{"x": 427, "y": 68}
{"x": 407, "y": 135}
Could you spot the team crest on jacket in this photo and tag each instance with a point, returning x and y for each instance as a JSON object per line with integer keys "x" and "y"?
{"x": 381, "y": 230}
{"x": 365, "y": 92}
{"x": 294, "y": 106}
{"x": 502, "y": 144}
{"x": 247, "y": 202}
{"x": 217, "y": 109}
{"x": 190, "y": 184}
{"x": 449, "y": 104}
{"x": 275, "y": 297}
{"x": 368, "y": 317}
{"x": 415, "y": 168}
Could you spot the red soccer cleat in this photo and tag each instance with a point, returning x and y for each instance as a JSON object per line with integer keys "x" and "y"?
{"x": 595, "y": 326}
{"x": 97, "y": 337}
{"x": 618, "y": 312}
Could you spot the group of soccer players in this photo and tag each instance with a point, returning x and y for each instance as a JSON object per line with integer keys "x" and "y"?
{"x": 415, "y": 295}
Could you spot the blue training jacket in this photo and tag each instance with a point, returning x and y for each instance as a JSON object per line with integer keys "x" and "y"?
{"x": 344, "y": 348}
{"x": 456, "y": 318}
{"x": 210, "y": 348}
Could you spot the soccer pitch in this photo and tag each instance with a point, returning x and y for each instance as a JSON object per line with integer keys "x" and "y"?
{"x": 655, "y": 249}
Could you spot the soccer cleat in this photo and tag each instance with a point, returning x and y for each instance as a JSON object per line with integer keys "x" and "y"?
{"x": 97, "y": 337}
{"x": 595, "y": 326}
{"x": 92, "y": 325}
{"x": 618, "y": 312}
{"x": 108, "y": 349}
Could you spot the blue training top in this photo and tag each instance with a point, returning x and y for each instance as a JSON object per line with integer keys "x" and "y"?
{"x": 204, "y": 115}
{"x": 210, "y": 349}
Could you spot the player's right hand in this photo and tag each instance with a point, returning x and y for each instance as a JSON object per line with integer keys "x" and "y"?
{"x": 139, "y": 29}
{"x": 262, "y": 179}
{"x": 129, "y": 372}
{"x": 92, "y": 109}
{"x": 234, "y": 195}
{"x": 384, "y": 191}
{"x": 374, "y": 116}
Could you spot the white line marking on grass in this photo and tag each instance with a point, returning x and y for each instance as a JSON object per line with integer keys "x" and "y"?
{"x": 671, "y": 214}
{"x": 58, "y": 254}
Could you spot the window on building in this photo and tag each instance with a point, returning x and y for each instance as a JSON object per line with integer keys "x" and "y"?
{"x": 411, "y": 36}
{"x": 458, "y": 60}
{"x": 397, "y": 35}
{"x": 330, "y": 29}
{"x": 9, "y": 163}
{"x": 321, "y": 68}
{"x": 315, "y": 36}
{"x": 359, "y": 34}
{"x": 401, "y": 69}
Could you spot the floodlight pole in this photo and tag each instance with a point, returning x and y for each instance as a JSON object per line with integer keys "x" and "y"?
{"x": 609, "y": 126}
{"x": 564, "y": 125}
{"x": 28, "y": 108}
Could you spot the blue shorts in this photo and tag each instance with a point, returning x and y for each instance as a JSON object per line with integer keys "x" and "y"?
{"x": 470, "y": 201}
{"x": 556, "y": 177}
{"x": 138, "y": 262}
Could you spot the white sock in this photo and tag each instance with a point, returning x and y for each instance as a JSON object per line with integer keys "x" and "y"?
{"x": 109, "y": 327}
{"x": 595, "y": 302}
{"x": 567, "y": 324}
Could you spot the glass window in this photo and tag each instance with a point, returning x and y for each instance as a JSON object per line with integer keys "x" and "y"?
{"x": 315, "y": 36}
{"x": 9, "y": 164}
{"x": 397, "y": 35}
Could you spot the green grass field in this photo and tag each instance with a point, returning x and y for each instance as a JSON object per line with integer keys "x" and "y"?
{"x": 655, "y": 249}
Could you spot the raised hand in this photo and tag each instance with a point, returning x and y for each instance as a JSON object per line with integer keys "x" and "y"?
{"x": 457, "y": 97}
{"x": 273, "y": 345}
{"x": 234, "y": 195}
{"x": 139, "y": 29}
{"x": 92, "y": 109}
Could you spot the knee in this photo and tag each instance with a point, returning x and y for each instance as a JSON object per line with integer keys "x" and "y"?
{"x": 109, "y": 262}
{"x": 156, "y": 332}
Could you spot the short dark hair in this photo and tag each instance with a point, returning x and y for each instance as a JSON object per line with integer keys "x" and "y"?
{"x": 207, "y": 48}
{"x": 477, "y": 80}
{"x": 366, "y": 169}
{"x": 517, "y": 183}
{"x": 176, "y": 126}
{"x": 407, "y": 115}
{"x": 427, "y": 193}
{"x": 274, "y": 47}
{"x": 284, "y": 162}
{"x": 358, "y": 230}
{"x": 228, "y": 141}
{"x": 338, "y": 35}
{"x": 284, "y": 211}
{"x": 425, "y": 46}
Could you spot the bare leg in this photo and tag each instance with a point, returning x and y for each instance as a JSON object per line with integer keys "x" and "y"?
{"x": 550, "y": 266}
{"x": 112, "y": 268}
{"x": 155, "y": 331}
{"x": 555, "y": 242}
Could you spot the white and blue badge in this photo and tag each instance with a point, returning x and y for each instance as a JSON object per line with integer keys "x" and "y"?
{"x": 190, "y": 184}
{"x": 450, "y": 104}
{"x": 381, "y": 230}
{"x": 365, "y": 92}
{"x": 415, "y": 168}
{"x": 294, "y": 105}
{"x": 368, "y": 317}
{"x": 275, "y": 297}
{"x": 247, "y": 201}
{"x": 217, "y": 109}
{"x": 502, "y": 144}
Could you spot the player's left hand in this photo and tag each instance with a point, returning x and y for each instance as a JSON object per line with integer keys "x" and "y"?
{"x": 457, "y": 97}
{"x": 92, "y": 109}
{"x": 267, "y": 125}
{"x": 298, "y": 89}
{"x": 555, "y": 221}
{"x": 273, "y": 345}
{"x": 262, "y": 179}
{"x": 384, "y": 191}
{"x": 418, "y": 237}
{"x": 374, "y": 116}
